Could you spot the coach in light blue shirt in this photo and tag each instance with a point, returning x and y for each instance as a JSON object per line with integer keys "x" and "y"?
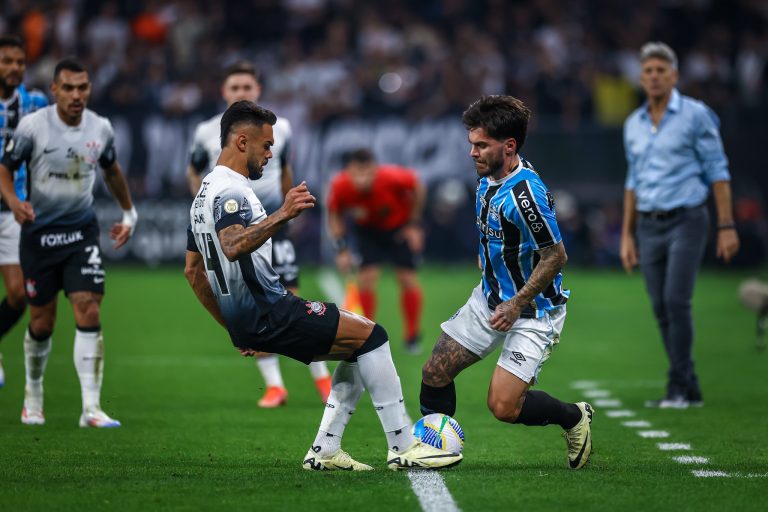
{"x": 674, "y": 157}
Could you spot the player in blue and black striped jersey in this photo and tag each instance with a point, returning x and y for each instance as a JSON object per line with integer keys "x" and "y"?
{"x": 520, "y": 301}
{"x": 15, "y": 102}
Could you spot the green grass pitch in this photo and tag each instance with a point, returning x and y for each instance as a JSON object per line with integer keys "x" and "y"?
{"x": 193, "y": 438}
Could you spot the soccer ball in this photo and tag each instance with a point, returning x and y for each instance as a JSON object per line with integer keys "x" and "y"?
{"x": 440, "y": 431}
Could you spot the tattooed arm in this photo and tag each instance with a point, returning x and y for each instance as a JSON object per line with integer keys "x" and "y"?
{"x": 552, "y": 259}
{"x": 238, "y": 240}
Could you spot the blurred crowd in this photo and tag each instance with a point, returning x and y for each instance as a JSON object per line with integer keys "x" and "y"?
{"x": 573, "y": 61}
{"x": 325, "y": 64}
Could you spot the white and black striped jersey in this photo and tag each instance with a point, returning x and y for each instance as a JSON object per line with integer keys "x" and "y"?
{"x": 206, "y": 148}
{"x": 516, "y": 218}
{"x": 61, "y": 164}
{"x": 245, "y": 289}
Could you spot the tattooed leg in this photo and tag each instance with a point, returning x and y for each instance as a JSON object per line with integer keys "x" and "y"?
{"x": 448, "y": 359}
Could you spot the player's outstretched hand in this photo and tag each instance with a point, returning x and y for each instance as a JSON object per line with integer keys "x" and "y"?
{"x": 504, "y": 317}
{"x": 120, "y": 233}
{"x": 297, "y": 200}
{"x": 23, "y": 212}
{"x": 727, "y": 244}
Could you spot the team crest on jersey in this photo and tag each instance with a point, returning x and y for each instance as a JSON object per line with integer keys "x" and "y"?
{"x": 315, "y": 307}
{"x": 92, "y": 152}
{"x": 493, "y": 212}
{"x": 31, "y": 288}
{"x": 231, "y": 206}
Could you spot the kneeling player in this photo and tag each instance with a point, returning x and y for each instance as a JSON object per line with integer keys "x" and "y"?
{"x": 228, "y": 264}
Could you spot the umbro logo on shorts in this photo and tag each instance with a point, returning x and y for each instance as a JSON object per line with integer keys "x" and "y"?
{"x": 516, "y": 357}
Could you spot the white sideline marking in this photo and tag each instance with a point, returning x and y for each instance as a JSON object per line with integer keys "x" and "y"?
{"x": 597, "y": 393}
{"x": 607, "y": 402}
{"x": 653, "y": 434}
{"x": 690, "y": 459}
{"x": 666, "y": 447}
{"x": 429, "y": 487}
{"x": 636, "y": 424}
{"x": 705, "y": 473}
{"x": 583, "y": 384}
{"x": 620, "y": 414}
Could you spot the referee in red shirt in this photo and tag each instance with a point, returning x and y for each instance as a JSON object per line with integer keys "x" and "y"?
{"x": 385, "y": 203}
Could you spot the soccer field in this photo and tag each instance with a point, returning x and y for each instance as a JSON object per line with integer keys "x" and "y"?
{"x": 194, "y": 439}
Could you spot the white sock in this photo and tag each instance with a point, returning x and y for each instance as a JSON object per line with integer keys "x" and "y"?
{"x": 380, "y": 379}
{"x": 318, "y": 369}
{"x": 346, "y": 388}
{"x": 270, "y": 370}
{"x": 35, "y": 358}
{"x": 89, "y": 363}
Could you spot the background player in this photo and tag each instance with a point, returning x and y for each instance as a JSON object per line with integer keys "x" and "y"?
{"x": 15, "y": 102}
{"x": 241, "y": 82}
{"x": 228, "y": 267}
{"x": 386, "y": 204}
{"x": 520, "y": 302}
{"x": 62, "y": 145}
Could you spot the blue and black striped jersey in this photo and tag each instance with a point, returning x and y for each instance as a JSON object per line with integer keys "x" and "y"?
{"x": 516, "y": 218}
{"x": 21, "y": 103}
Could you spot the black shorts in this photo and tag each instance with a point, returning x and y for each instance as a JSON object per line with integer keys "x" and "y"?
{"x": 56, "y": 258}
{"x": 284, "y": 259}
{"x": 300, "y": 329}
{"x": 377, "y": 247}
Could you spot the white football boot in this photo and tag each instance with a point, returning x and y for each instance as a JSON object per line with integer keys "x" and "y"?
{"x": 422, "y": 456}
{"x": 95, "y": 417}
{"x": 32, "y": 413}
{"x": 579, "y": 438}
{"x": 339, "y": 460}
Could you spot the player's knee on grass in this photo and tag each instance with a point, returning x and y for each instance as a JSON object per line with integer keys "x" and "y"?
{"x": 440, "y": 399}
{"x": 377, "y": 338}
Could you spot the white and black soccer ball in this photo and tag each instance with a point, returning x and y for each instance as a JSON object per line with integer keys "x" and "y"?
{"x": 440, "y": 431}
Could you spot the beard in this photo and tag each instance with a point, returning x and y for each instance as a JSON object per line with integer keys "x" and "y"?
{"x": 491, "y": 167}
{"x": 254, "y": 170}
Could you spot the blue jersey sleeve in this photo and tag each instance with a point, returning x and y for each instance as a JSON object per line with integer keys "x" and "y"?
{"x": 231, "y": 207}
{"x": 535, "y": 214}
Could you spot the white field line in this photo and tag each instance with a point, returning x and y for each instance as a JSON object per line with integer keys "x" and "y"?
{"x": 596, "y": 393}
{"x": 637, "y": 424}
{"x": 583, "y": 384}
{"x": 607, "y": 402}
{"x": 429, "y": 487}
{"x": 667, "y": 447}
{"x": 653, "y": 434}
{"x": 621, "y": 413}
{"x": 690, "y": 459}
{"x": 706, "y": 473}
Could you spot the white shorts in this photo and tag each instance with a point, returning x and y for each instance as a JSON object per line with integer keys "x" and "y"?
{"x": 526, "y": 346}
{"x": 10, "y": 231}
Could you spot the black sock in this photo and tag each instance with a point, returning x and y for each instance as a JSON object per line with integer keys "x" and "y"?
{"x": 541, "y": 409}
{"x": 441, "y": 400}
{"x": 8, "y": 316}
